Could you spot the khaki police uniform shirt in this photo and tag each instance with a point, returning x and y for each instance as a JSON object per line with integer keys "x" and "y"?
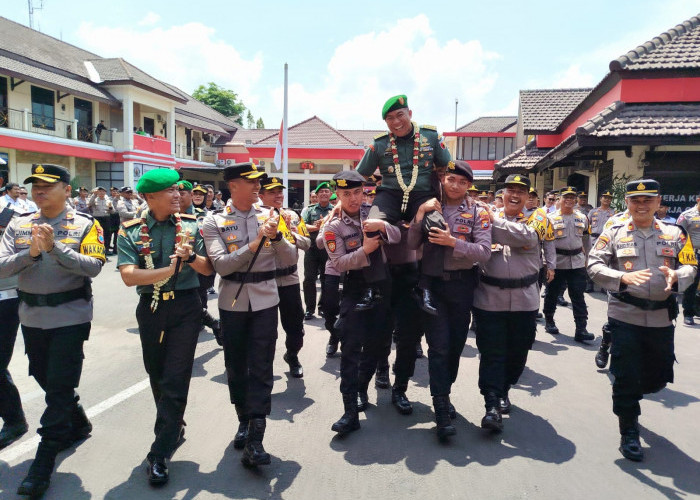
{"x": 8, "y": 286}
{"x": 625, "y": 248}
{"x": 128, "y": 209}
{"x": 342, "y": 238}
{"x": 515, "y": 253}
{"x": 570, "y": 233}
{"x": 284, "y": 260}
{"x": 226, "y": 236}
{"x": 690, "y": 221}
{"x": 432, "y": 152}
{"x": 77, "y": 256}
{"x": 470, "y": 225}
{"x": 330, "y": 269}
{"x": 597, "y": 218}
{"x": 101, "y": 207}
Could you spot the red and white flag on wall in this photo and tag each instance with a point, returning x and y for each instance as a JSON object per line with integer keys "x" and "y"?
{"x": 278, "y": 150}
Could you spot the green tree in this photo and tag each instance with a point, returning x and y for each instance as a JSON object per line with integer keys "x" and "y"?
{"x": 260, "y": 123}
{"x": 250, "y": 119}
{"x": 223, "y": 100}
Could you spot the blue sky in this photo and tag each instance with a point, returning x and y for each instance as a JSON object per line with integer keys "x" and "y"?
{"x": 346, "y": 58}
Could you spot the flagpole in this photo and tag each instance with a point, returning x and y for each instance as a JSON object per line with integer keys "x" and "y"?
{"x": 285, "y": 145}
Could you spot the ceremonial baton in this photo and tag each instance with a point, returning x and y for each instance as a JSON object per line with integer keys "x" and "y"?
{"x": 178, "y": 263}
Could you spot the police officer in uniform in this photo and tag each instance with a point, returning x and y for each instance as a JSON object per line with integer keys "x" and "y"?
{"x": 291, "y": 310}
{"x": 205, "y": 282}
{"x": 362, "y": 333}
{"x": 161, "y": 253}
{"x": 507, "y": 299}
{"x": 55, "y": 253}
{"x": 315, "y": 258}
{"x": 331, "y": 296}
{"x": 14, "y": 423}
{"x": 690, "y": 221}
{"x": 406, "y": 156}
{"x": 101, "y": 208}
{"x": 571, "y": 237}
{"x": 466, "y": 237}
{"x": 249, "y": 322}
{"x": 641, "y": 262}
{"x": 597, "y": 218}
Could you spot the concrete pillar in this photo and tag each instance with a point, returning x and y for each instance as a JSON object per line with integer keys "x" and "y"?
{"x": 25, "y": 119}
{"x": 171, "y": 129}
{"x": 128, "y": 109}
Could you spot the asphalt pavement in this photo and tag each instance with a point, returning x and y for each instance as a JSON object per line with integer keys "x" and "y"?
{"x": 560, "y": 440}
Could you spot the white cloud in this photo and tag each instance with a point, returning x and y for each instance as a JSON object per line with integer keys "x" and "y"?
{"x": 573, "y": 77}
{"x": 149, "y": 19}
{"x": 185, "y": 56}
{"x": 406, "y": 59}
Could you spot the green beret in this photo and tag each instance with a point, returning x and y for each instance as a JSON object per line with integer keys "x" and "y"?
{"x": 323, "y": 185}
{"x": 396, "y": 102}
{"x": 184, "y": 185}
{"x": 156, "y": 180}
{"x": 333, "y": 197}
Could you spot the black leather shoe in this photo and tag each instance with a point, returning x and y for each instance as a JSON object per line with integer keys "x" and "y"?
{"x": 39, "y": 475}
{"x": 157, "y": 470}
{"x": 381, "y": 378}
{"x": 582, "y": 335}
{"x": 630, "y": 447}
{"x": 539, "y": 316}
{"x": 492, "y": 420}
{"x": 332, "y": 347}
{"x": 601, "y": 358}
{"x": 504, "y": 405}
{"x": 562, "y": 302}
{"x": 241, "y": 435}
{"x": 349, "y": 422}
{"x": 688, "y": 320}
{"x": 34, "y": 486}
{"x": 308, "y": 315}
{"x": 368, "y": 300}
{"x": 11, "y": 433}
{"x": 295, "y": 368}
{"x": 550, "y": 327}
{"x": 452, "y": 412}
{"x": 445, "y": 428}
{"x": 362, "y": 401}
{"x": 401, "y": 402}
{"x": 254, "y": 453}
{"x": 419, "y": 350}
{"x": 428, "y": 303}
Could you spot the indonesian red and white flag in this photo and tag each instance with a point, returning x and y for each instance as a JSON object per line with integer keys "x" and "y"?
{"x": 278, "y": 150}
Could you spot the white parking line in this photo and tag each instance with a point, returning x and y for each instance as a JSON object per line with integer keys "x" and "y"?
{"x": 14, "y": 452}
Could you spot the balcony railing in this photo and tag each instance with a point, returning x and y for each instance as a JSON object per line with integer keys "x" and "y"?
{"x": 47, "y": 125}
{"x": 202, "y": 153}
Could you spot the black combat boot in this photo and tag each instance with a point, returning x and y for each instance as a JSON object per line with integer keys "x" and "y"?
{"x": 399, "y": 399}
{"x": 549, "y": 325}
{"x": 39, "y": 475}
{"x": 211, "y": 322}
{"x": 582, "y": 335}
{"x": 80, "y": 427}
{"x": 349, "y": 421}
{"x": 504, "y": 405}
{"x": 12, "y": 432}
{"x": 381, "y": 378}
{"x": 451, "y": 409}
{"x": 445, "y": 429}
{"x": 601, "y": 357}
{"x": 370, "y": 298}
{"x": 630, "y": 447}
{"x": 362, "y": 397}
{"x": 242, "y": 433}
{"x": 254, "y": 454}
{"x": 332, "y": 346}
{"x": 157, "y": 470}
{"x": 295, "y": 368}
{"x": 492, "y": 419}
{"x": 428, "y": 302}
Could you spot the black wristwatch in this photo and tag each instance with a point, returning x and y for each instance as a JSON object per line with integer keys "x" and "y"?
{"x": 191, "y": 258}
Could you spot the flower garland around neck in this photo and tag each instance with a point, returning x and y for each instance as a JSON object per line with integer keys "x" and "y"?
{"x": 148, "y": 257}
{"x": 397, "y": 167}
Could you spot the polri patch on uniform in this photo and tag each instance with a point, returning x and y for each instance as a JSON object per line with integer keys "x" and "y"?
{"x": 602, "y": 242}
{"x": 232, "y": 247}
{"x": 628, "y": 266}
{"x": 667, "y": 251}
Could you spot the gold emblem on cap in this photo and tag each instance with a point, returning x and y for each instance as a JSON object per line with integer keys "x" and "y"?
{"x": 517, "y": 178}
{"x": 451, "y": 165}
{"x": 640, "y": 186}
{"x": 274, "y": 179}
{"x": 39, "y": 169}
{"x": 254, "y": 167}
{"x": 401, "y": 101}
{"x": 342, "y": 183}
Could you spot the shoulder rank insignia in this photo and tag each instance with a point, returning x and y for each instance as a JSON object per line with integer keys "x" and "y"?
{"x": 379, "y": 136}
{"x": 131, "y": 222}
{"x": 429, "y": 127}
{"x": 188, "y": 216}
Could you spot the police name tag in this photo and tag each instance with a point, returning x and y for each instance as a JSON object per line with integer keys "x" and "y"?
{"x": 8, "y": 294}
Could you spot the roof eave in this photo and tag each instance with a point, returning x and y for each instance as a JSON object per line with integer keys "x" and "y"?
{"x": 172, "y": 97}
{"x": 17, "y": 74}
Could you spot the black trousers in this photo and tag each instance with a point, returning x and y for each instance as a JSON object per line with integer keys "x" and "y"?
{"x": 641, "y": 361}
{"x": 362, "y": 334}
{"x": 387, "y": 207}
{"x": 168, "y": 340}
{"x": 331, "y": 303}
{"x": 575, "y": 279}
{"x": 690, "y": 297}
{"x": 446, "y": 333}
{"x": 114, "y": 229}
{"x": 106, "y": 228}
{"x": 56, "y": 362}
{"x": 249, "y": 350}
{"x": 404, "y": 319}
{"x": 504, "y": 339}
{"x": 314, "y": 267}
{"x": 10, "y": 402}
{"x": 292, "y": 317}
{"x": 205, "y": 283}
